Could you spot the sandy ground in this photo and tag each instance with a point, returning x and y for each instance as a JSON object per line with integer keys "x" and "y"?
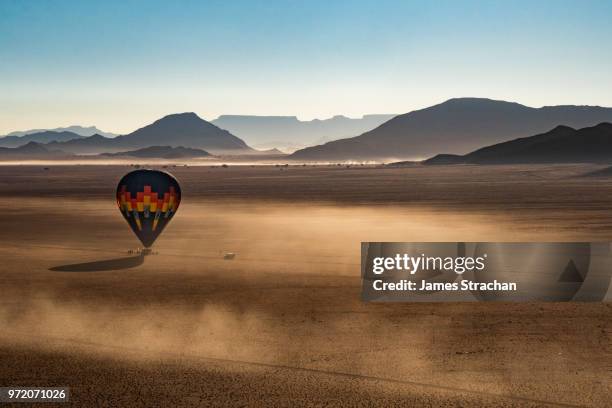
{"x": 283, "y": 324}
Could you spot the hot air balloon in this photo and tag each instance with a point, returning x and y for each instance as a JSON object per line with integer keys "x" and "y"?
{"x": 148, "y": 199}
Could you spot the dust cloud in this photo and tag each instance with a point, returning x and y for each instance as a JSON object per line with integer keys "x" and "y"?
{"x": 291, "y": 297}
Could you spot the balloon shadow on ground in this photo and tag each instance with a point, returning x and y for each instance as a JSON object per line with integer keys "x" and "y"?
{"x": 101, "y": 266}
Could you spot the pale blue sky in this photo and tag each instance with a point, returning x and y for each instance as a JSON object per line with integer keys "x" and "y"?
{"x": 120, "y": 65}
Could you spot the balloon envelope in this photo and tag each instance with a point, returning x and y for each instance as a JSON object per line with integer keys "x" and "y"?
{"x": 148, "y": 199}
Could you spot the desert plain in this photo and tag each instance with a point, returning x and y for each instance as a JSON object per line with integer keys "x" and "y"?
{"x": 283, "y": 324}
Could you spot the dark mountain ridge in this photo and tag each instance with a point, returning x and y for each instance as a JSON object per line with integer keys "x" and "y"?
{"x": 456, "y": 126}
{"x": 31, "y": 150}
{"x": 162, "y": 152}
{"x": 562, "y": 144}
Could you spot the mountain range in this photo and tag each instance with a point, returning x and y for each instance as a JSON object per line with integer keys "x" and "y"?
{"x": 182, "y": 129}
{"x": 288, "y": 133}
{"x": 178, "y": 130}
{"x": 162, "y": 152}
{"x": 79, "y": 130}
{"x": 456, "y": 126}
{"x": 562, "y": 144}
{"x": 39, "y": 151}
{"x": 31, "y": 151}
{"x": 45, "y": 136}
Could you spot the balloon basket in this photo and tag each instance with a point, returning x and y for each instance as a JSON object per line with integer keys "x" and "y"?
{"x": 142, "y": 251}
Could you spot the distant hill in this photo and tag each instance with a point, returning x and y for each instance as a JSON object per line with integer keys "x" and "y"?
{"x": 562, "y": 144}
{"x": 289, "y": 133}
{"x": 79, "y": 130}
{"x": 188, "y": 130}
{"x": 273, "y": 152}
{"x": 162, "y": 152}
{"x": 31, "y": 151}
{"x": 455, "y": 126}
{"x": 40, "y": 137}
{"x": 183, "y": 129}
{"x": 84, "y": 145}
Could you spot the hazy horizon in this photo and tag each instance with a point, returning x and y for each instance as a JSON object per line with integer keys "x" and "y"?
{"x": 86, "y": 125}
{"x": 120, "y": 66}
{"x": 55, "y": 127}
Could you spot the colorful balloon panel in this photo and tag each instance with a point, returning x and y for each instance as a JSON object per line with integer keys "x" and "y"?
{"x": 148, "y": 199}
